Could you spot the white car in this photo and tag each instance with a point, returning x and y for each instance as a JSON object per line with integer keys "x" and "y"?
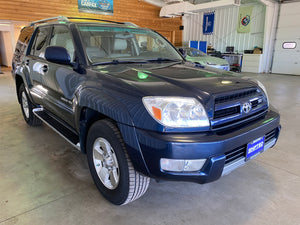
{"x": 197, "y": 56}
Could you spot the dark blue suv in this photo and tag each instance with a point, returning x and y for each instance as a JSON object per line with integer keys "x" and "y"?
{"x": 128, "y": 99}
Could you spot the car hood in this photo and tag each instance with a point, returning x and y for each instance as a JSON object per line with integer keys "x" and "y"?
{"x": 171, "y": 79}
{"x": 208, "y": 60}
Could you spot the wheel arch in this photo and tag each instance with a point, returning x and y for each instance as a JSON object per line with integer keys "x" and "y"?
{"x": 94, "y": 105}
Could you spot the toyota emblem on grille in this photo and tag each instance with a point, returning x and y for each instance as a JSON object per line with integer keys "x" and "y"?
{"x": 246, "y": 107}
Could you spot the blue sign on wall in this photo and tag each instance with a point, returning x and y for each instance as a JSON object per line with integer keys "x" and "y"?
{"x": 96, "y": 6}
{"x": 201, "y": 45}
{"x": 194, "y": 44}
{"x": 208, "y": 22}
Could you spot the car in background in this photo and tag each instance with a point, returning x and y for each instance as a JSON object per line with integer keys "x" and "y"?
{"x": 199, "y": 57}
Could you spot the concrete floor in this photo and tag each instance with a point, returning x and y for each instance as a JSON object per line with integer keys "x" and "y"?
{"x": 43, "y": 180}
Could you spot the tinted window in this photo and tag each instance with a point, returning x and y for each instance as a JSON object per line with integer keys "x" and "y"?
{"x": 22, "y": 43}
{"x": 62, "y": 37}
{"x": 41, "y": 42}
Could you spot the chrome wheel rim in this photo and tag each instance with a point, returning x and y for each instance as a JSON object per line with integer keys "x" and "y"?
{"x": 25, "y": 104}
{"x": 106, "y": 163}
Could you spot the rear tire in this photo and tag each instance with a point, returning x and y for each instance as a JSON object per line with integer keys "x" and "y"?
{"x": 110, "y": 166}
{"x": 27, "y": 107}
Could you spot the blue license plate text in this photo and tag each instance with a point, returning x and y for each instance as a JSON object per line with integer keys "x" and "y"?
{"x": 255, "y": 147}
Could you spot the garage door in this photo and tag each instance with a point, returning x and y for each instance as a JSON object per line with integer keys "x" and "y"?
{"x": 287, "y": 46}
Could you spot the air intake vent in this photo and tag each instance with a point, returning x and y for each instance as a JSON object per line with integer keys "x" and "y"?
{"x": 244, "y": 94}
{"x": 235, "y": 154}
{"x": 269, "y": 136}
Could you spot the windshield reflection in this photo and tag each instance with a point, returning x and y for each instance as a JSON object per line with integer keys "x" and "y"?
{"x": 118, "y": 44}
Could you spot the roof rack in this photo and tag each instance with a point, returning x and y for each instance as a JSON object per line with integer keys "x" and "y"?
{"x": 67, "y": 19}
{"x": 81, "y": 18}
{"x": 58, "y": 18}
{"x": 109, "y": 21}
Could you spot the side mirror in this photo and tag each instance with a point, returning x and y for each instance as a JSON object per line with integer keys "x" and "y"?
{"x": 57, "y": 54}
{"x": 182, "y": 52}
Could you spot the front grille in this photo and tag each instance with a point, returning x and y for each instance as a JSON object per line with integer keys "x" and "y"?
{"x": 235, "y": 154}
{"x": 236, "y": 122}
{"x": 232, "y": 110}
{"x": 254, "y": 104}
{"x": 226, "y": 112}
{"x": 232, "y": 97}
{"x": 229, "y": 112}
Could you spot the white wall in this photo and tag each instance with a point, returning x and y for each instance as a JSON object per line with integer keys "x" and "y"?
{"x": 6, "y": 48}
{"x": 225, "y": 29}
{"x": 9, "y": 33}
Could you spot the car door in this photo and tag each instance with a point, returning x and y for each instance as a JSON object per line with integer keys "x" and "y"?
{"x": 61, "y": 81}
{"x": 37, "y": 65}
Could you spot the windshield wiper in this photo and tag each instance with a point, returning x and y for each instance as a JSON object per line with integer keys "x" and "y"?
{"x": 163, "y": 60}
{"x": 117, "y": 61}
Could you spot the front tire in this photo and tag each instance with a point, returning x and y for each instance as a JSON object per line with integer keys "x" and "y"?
{"x": 110, "y": 165}
{"x": 27, "y": 107}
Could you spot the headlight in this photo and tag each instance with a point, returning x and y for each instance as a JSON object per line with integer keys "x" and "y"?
{"x": 264, "y": 89}
{"x": 176, "y": 111}
{"x": 210, "y": 63}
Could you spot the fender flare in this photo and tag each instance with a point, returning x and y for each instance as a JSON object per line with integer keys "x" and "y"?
{"x": 24, "y": 75}
{"x": 103, "y": 103}
{"x": 95, "y": 103}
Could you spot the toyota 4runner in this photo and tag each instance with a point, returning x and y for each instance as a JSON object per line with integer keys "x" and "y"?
{"x": 128, "y": 99}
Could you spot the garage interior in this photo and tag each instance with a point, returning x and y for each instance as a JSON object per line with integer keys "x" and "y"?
{"x": 44, "y": 180}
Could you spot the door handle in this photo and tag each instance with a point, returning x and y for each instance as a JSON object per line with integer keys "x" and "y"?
{"x": 45, "y": 68}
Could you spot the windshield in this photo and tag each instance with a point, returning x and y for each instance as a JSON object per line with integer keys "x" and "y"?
{"x": 194, "y": 52}
{"x": 118, "y": 44}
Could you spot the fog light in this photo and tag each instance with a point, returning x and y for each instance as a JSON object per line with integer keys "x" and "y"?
{"x": 182, "y": 165}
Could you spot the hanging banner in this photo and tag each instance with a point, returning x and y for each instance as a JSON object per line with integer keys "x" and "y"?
{"x": 245, "y": 16}
{"x": 96, "y": 6}
{"x": 208, "y": 22}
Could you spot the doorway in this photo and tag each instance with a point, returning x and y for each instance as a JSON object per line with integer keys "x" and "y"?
{"x": 287, "y": 47}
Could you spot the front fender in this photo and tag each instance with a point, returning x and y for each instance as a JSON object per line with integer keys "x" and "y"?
{"x": 102, "y": 105}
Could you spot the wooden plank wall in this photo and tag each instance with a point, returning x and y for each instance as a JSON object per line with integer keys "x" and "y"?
{"x": 135, "y": 11}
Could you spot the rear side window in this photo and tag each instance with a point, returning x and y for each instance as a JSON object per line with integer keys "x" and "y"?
{"x": 62, "y": 37}
{"x": 40, "y": 42}
{"x": 22, "y": 43}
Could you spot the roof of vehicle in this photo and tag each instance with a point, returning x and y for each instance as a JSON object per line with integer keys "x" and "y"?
{"x": 67, "y": 20}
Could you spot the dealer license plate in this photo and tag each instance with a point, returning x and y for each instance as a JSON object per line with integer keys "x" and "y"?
{"x": 255, "y": 147}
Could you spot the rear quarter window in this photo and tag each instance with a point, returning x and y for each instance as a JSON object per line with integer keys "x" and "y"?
{"x": 22, "y": 43}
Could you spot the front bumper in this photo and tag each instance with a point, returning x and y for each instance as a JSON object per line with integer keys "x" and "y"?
{"x": 224, "y": 151}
